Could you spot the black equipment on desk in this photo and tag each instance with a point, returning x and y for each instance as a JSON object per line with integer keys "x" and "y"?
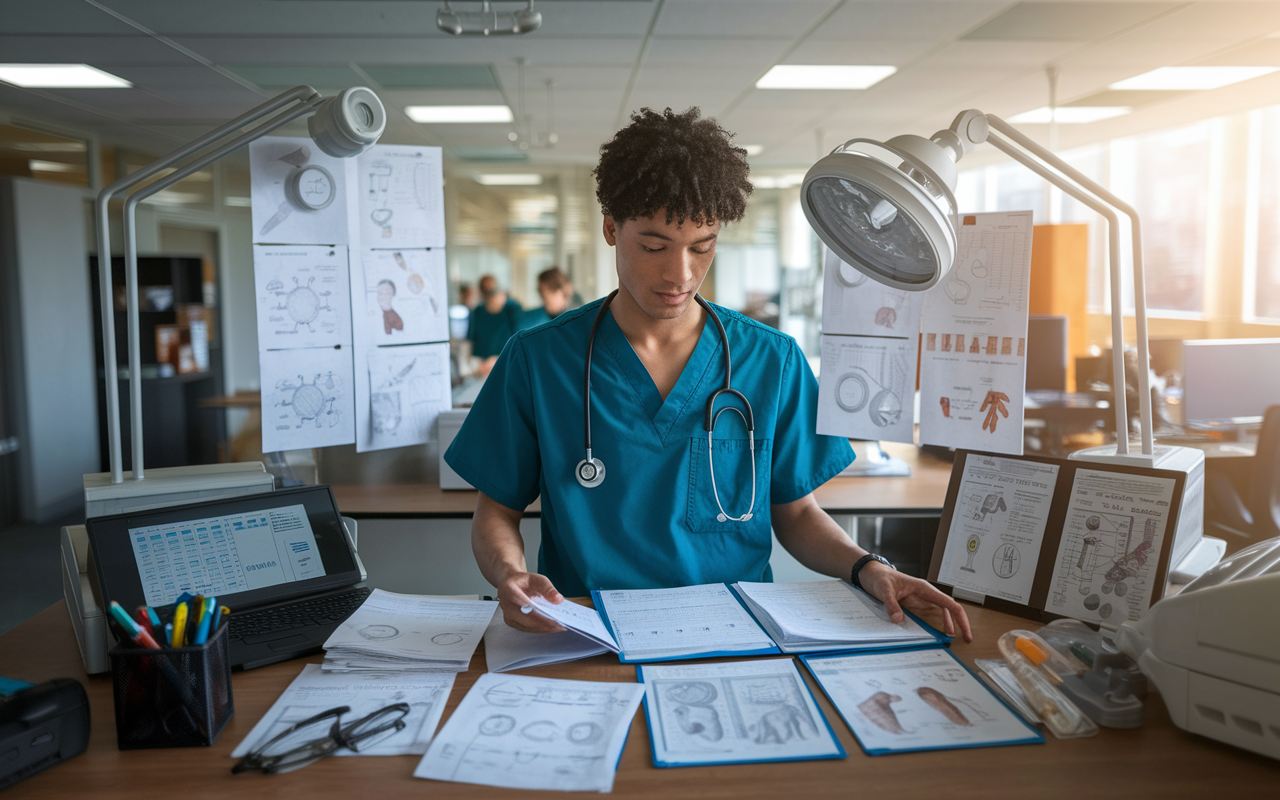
{"x": 41, "y": 726}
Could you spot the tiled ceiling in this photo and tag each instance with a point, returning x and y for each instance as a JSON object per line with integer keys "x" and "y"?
{"x": 197, "y": 63}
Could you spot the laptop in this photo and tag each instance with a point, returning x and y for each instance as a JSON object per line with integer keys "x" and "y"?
{"x": 281, "y": 561}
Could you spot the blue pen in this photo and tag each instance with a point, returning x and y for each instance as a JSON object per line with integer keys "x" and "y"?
{"x": 168, "y": 634}
{"x": 182, "y": 598}
{"x": 206, "y": 616}
{"x": 157, "y": 627}
{"x": 217, "y": 618}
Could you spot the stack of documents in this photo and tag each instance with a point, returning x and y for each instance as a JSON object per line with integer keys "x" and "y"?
{"x": 686, "y": 622}
{"x": 506, "y": 648}
{"x": 401, "y": 632}
{"x": 808, "y": 616}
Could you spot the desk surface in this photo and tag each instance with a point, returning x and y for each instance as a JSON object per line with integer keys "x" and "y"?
{"x": 921, "y": 494}
{"x": 1157, "y": 760}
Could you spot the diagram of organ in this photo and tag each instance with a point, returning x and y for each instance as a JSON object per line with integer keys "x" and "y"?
{"x": 1111, "y": 548}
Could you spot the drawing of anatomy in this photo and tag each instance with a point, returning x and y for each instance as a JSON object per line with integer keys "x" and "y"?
{"x": 298, "y": 193}
{"x": 306, "y": 398}
{"x": 401, "y": 197}
{"x": 408, "y": 387}
{"x": 867, "y": 387}
{"x": 302, "y": 296}
{"x": 402, "y": 297}
{"x": 854, "y": 304}
{"x": 534, "y": 733}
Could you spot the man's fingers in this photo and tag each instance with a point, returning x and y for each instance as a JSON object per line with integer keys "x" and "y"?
{"x": 891, "y": 605}
{"x": 541, "y": 585}
{"x": 530, "y": 623}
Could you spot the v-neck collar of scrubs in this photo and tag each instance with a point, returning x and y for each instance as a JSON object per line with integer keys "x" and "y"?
{"x": 662, "y": 413}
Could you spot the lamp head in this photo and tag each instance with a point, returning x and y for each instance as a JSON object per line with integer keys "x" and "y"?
{"x": 348, "y": 123}
{"x": 888, "y": 209}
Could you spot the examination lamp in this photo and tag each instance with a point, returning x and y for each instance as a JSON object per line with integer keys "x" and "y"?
{"x": 342, "y": 126}
{"x": 888, "y": 209}
{"x": 487, "y": 21}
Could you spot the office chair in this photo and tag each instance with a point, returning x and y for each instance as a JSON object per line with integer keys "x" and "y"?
{"x": 1256, "y": 516}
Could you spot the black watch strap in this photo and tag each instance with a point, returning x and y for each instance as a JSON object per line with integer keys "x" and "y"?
{"x": 862, "y": 562}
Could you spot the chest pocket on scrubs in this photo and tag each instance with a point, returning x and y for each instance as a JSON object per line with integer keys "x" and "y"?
{"x": 733, "y": 481}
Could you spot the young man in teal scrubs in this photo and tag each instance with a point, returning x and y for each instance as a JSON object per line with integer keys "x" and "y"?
{"x": 492, "y": 323}
{"x": 674, "y": 508}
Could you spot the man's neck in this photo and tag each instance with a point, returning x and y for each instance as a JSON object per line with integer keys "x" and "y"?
{"x": 663, "y": 345}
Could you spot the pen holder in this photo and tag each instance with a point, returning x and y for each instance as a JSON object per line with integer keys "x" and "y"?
{"x": 172, "y": 697}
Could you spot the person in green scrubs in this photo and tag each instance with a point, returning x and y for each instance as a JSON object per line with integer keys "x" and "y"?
{"x": 660, "y": 517}
{"x": 492, "y": 323}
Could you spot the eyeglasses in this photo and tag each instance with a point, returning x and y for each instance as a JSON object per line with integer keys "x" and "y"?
{"x": 306, "y": 742}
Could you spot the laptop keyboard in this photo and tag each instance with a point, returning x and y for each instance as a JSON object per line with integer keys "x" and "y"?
{"x": 324, "y": 611}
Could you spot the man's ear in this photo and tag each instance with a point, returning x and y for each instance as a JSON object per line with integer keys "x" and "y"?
{"x": 610, "y": 231}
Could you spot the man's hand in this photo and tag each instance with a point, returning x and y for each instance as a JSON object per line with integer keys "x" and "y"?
{"x": 896, "y": 590}
{"x": 515, "y": 592}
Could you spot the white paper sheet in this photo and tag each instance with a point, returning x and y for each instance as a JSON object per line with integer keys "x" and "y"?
{"x": 506, "y": 648}
{"x": 736, "y": 711}
{"x": 854, "y": 304}
{"x": 1105, "y": 571}
{"x": 307, "y": 398}
{"x": 282, "y": 215}
{"x": 400, "y": 190}
{"x": 519, "y": 732}
{"x": 649, "y": 623}
{"x": 916, "y": 700}
{"x": 998, "y": 526}
{"x": 303, "y": 297}
{"x": 410, "y": 628}
{"x": 400, "y": 297}
{"x": 866, "y": 388}
{"x": 401, "y": 394}
{"x": 576, "y": 618}
{"x": 828, "y": 611}
{"x": 974, "y": 323}
{"x": 315, "y": 691}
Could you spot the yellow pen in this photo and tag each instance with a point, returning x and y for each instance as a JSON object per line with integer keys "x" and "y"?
{"x": 179, "y": 624}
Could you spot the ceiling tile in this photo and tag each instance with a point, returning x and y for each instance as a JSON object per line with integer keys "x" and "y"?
{"x": 98, "y": 51}
{"x": 905, "y": 20}
{"x": 749, "y": 53}
{"x": 716, "y": 19}
{"x": 1066, "y": 21}
{"x": 412, "y": 50}
{"x": 857, "y": 51}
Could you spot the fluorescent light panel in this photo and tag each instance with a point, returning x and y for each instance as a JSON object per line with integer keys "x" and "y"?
{"x": 451, "y": 114}
{"x": 60, "y": 76}
{"x": 823, "y": 76}
{"x": 1191, "y": 78}
{"x": 753, "y": 149}
{"x": 1070, "y": 115}
{"x": 512, "y": 179}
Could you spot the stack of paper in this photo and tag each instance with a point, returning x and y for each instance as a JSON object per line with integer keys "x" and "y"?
{"x": 806, "y": 616}
{"x": 685, "y": 622}
{"x": 400, "y": 632}
{"x": 506, "y": 648}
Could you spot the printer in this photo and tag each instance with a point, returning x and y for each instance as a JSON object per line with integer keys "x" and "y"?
{"x": 1213, "y": 650}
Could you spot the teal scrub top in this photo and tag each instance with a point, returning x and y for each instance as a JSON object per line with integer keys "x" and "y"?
{"x": 489, "y": 332}
{"x": 652, "y": 523}
{"x": 534, "y": 317}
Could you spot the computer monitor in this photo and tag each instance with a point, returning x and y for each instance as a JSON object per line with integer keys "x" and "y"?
{"x": 1046, "y": 353}
{"x": 1229, "y": 380}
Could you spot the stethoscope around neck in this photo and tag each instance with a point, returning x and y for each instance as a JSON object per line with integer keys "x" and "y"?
{"x": 590, "y": 470}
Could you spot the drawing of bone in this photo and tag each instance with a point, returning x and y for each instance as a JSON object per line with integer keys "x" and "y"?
{"x": 942, "y": 705}
{"x": 701, "y": 721}
{"x": 877, "y": 709}
{"x": 782, "y": 723}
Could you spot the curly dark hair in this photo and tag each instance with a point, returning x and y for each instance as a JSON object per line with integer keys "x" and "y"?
{"x": 678, "y": 162}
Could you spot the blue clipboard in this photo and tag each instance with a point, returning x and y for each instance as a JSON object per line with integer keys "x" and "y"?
{"x": 1033, "y": 736}
{"x": 598, "y": 602}
{"x": 653, "y": 747}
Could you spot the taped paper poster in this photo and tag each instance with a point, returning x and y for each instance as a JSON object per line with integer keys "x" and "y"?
{"x": 402, "y": 297}
{"x": 866, "y": 388}
{"x": 400, "y": 197}
{"x": 307, "y": 398}
{"x": 403, "y": 392}
{"x": 299, "y": 194}
{"x": 853, "y": 304}
{"x": 302, "y": 296}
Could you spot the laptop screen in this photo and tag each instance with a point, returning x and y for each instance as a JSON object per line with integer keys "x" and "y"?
{"x": 245, "y": 550}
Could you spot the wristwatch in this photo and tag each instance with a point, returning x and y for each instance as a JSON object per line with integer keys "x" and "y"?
{"x": 865, "y": 560}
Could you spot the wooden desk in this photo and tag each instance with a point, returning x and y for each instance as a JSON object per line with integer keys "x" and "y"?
{"x": 920, "y": 495}
{"x": 1156, "y": 760}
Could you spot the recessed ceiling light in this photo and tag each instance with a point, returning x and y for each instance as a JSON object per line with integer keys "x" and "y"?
{"x": 1191, "y": 78}
{"x": 60, "y": 76}
{"x": 514, "y": 179}
{"x": 753, "y": 149}
{"x": 823, "y": 76}
{"x": 777, "y": 181}
{"x": 458, "y": 113}
{"x": 36, "y": 165}
{"x": 1070, "y": 115}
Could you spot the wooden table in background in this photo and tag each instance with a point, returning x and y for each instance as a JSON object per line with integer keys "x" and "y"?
{"x": 1156, "y": 760}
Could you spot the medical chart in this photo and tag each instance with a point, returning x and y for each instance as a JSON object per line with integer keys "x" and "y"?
{"x": 585, "y": 621}
{"x": 998, "y": 526}
{"x": 519, "y": 732}
{"x": 734, "y": 712}
{"x": 866, "y": 388}
{"x": 1105, "y": 571}
{"x": 855, "y": 305}
{"x": 315, "y": 691}
{"x": 399, "y": 297}
{"x": 811, "y": 615}
{"x": 916, "y": 700}
{"x": 653, "y": 624}
{"x": 306, "y": 398}
{"x": 299, "y": 194}
{"x": 974, "y": 327}
{"x": 303, "y": 299}
{"x": 506, "y": 648}
{"x": 409, "y": 632}
{"x": 401, "y": 394}
{"x": 400, "y": 202}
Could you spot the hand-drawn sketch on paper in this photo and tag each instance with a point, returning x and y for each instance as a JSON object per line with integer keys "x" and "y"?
{"x": 867, "y": 388}
{"x": 307, "y": 398}
{"x": 407, "y": 389}
{"x": 302, "y": 296}
{"x": 402, "y": 298}
{"x": 401, "y": 192}
{"x": 298, "y": 193}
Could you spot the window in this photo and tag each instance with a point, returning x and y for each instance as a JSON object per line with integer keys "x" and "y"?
{"x": 1262, "y": 250}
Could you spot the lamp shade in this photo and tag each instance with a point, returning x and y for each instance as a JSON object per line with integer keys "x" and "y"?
{"x": 886, "y": 208}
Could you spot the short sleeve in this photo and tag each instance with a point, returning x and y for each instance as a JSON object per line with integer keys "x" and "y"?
{"x": 496, "y": 450}
{"x": 803, "y": 459}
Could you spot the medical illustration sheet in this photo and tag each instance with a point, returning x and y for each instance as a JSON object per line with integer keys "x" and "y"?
{"x": 974, "y": 331}
{"x": 998, "y": 526}
{"x": 400, "y": 203}
{"x": 683, "y": 622}
{"x": 400, "y": 631}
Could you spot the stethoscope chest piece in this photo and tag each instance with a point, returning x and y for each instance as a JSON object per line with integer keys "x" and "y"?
{"x": 590, "y": 472}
